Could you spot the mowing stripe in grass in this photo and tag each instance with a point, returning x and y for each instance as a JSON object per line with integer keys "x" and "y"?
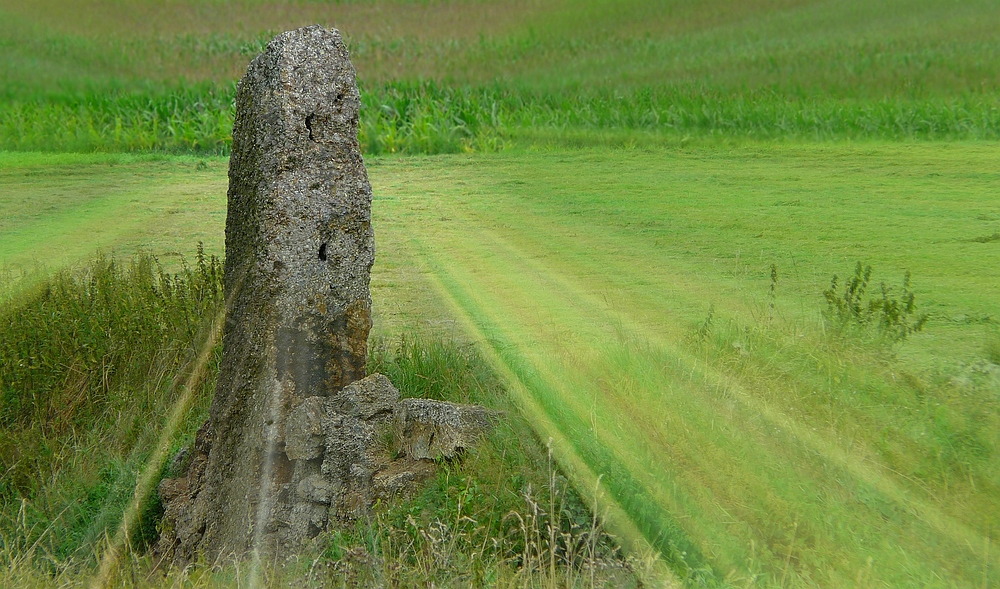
{"x": 61, "y": 214}
{"x": 543, "y": 404}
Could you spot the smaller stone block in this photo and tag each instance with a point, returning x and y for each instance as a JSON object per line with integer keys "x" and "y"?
{"x": 436, "y": 429}
{"x": 316, "y": 488}
{"x": 365, "y": 399}
{"x": 401, "y": 477}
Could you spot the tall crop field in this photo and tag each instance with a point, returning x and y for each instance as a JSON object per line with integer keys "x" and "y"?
{"x": 461, "y": 76}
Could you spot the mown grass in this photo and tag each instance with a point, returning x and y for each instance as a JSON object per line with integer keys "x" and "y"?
{"x": 586, "y": 277}
{"x": 766, "y": 446}
{"x": 93, "y": 363}
{"x": 56, "y": 209}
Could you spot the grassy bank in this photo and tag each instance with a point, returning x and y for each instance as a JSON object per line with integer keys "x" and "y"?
{"x": 102, "y": 366}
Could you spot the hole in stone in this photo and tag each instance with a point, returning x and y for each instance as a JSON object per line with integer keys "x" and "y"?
{"x": 309, "y": 126}
{"x": 322, "y": 251}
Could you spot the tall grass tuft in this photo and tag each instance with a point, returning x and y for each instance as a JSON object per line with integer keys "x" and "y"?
{"x": 89, "y": 364}
{"x": 457, "y": 534}
{"x": 502, "y": 516}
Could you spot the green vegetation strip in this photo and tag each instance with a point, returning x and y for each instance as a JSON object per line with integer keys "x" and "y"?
{"x": 659, "y": 527}
{"x": 458, "y": 76}
{"x": 430, "y": 118}
{"x": 89, "y": 366}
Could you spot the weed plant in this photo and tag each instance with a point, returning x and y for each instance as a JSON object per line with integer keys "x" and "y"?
{"x": 456, "y": 533}
{"x": 892, "y": 317}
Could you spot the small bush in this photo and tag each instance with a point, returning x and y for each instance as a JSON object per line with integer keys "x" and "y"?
{"x": 891, "y": 317}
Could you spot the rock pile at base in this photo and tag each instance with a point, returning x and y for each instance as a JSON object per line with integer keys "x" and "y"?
{"x": 349, "y": 450}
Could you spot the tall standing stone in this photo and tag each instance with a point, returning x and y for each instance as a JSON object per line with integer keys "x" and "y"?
{"x": 299, "y": 250}
{"x": 296, "y": 437}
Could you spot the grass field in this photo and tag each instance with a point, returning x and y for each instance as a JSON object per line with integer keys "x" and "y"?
{"x": 765, "y": 434}
{"x": 749, "y": 448}
{"x": 618, "y": 221}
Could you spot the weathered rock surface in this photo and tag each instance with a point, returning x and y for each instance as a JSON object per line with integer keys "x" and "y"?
{"x": 183, "y": 522}
{"x": 297, "y": 437}
{"x": 434, "y": 429}
{"x": 364, "y": 443}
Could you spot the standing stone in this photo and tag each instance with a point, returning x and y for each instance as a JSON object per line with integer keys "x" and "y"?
{"x": 298, "y": 438}
{"x": 299, "y": 251}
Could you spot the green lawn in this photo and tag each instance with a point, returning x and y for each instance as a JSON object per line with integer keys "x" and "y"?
{"x": 749, "y": 448}
{"x": 767, "y": 449}
{"x": 60, "y": 209}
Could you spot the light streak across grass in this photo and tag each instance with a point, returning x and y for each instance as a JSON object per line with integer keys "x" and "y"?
{"x": 110, "y": 558}
{"x": 762, "y": 451}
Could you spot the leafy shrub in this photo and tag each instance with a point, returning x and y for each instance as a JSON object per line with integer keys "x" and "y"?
{"x": 891, "y": 317}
